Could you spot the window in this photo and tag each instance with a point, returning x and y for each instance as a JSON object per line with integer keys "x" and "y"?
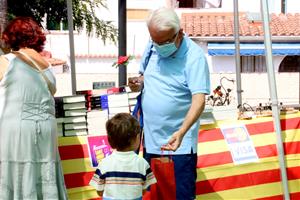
{"x": 250, "y": 64}
{"x": 54, "y": 25}
{"x": 211, "y": 3}
{"x": 186, "y": 4}
{"x": 290, "y": 64}
{"x": 195, "y": 3}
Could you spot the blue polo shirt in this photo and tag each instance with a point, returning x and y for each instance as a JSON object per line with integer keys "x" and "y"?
{"x": 169, "y": 84}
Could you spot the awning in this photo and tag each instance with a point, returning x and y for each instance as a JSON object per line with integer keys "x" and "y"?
{"x": 253, "y": 49}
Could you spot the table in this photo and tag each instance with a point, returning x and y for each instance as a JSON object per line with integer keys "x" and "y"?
{"x": 218, "y": 176}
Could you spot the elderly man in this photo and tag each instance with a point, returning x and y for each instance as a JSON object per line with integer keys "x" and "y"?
{"x": 175, "y": 76}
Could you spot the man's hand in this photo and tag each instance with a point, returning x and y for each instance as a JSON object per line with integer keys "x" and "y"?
{"x": 135, "y": 83}
{"x": 174, "y": 142}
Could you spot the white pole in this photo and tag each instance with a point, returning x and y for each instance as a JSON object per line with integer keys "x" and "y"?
{"x": 237, "y": 54}
{"x": 71, "y": 42}
{"x": 273, "y": 93}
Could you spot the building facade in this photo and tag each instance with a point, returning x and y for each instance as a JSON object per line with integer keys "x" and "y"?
{"x": 202, "y": 21}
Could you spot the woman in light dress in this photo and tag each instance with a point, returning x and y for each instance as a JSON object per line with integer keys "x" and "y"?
{"x": 30, "y": 165}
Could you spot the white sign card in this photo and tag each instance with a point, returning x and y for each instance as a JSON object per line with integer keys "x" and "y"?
{"x": 240, "y": 144}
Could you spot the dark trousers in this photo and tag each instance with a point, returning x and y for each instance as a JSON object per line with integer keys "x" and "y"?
{"x": 185, "y": 174}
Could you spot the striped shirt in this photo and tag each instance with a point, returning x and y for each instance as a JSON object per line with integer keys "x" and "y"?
{"x": 122, "y": 175}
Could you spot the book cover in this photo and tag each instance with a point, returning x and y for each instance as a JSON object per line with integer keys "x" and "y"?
{"x": 104, "y": 97}
{"x": 115, "y": 110}
{"x": 77, "y": 132}
{"x": 59, "y": 109}
{"x": 74, "y": 119}
{"x": 84, "y": 92}
{"x": 132, "y": 102}
{"x": 116, "y": 104}
{"x": 95, "y": 98}
{"x": 95, "y": 106}
{"x": 97, "y": 114}
{"x": 117, "y": 97}
{"x": 60, "y": 120}
{"x": 113, "y": 90}
{"x": 73, "y": 99}
{"x": 59, "y": 113}
{"x": 97, "y": 129}
{"x": 118, "y": 100}
{"x": 72, "y": 106}
{"x": 97, "y": 121}
{"x": 99, "y": 148}
{"x": 104, "y": 105}
{"x": 99, "y": 91}
{"x": 58, "y": 101}
{"x": 95, "y": 102}
{"x": 133, "y": 95}
{"x": 75, "y": 126}
{"x": 96, "y": 126}
{"x": 75, "y": 112}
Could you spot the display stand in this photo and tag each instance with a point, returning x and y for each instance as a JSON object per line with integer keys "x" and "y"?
{"x": 218, "y": 176}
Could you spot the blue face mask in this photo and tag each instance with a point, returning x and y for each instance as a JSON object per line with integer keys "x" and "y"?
{"x": 166, "y": 50}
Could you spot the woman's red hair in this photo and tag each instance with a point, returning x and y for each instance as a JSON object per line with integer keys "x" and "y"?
{"x": 24, "y": 32}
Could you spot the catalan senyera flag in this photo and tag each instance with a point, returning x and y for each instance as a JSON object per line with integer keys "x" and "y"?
{"x": 218, "y": 177}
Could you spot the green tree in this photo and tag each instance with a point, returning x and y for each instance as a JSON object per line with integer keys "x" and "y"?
{"x": 56, "y": 11}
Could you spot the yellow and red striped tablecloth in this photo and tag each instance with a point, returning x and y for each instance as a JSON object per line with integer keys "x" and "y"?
{"x": 218, "y": 177}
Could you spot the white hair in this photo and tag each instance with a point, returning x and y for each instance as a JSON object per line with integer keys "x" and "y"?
{"x": 164, "y": 19}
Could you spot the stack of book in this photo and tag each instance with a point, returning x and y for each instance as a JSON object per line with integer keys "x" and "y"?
{"x": 87, "y": 113}
{"x": 59, "y": 114}
{"x": 117, "y": 103}
{"x": 88, "y": 95}
{"x": 104, "y": 102}
{"x": 116, "y": 90}
{"x": 59, "y": 107}
{"x": 75, "y": 111}
{"x": 96, "y": 120}
{"x": 95, "y": 102}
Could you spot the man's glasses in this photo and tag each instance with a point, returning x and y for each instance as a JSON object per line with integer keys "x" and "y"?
{"x": 168, "y": 41}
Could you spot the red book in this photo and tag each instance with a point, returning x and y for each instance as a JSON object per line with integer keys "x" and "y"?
{"x": 113, "y": 90}
{"x": 85, "y": 92}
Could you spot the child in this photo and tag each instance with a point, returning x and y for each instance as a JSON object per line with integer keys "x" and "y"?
{"x": 123, "y": 174}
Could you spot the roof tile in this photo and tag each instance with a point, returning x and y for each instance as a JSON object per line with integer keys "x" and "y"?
{"x": 222, "y": 24}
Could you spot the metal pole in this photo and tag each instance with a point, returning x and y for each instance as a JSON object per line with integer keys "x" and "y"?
{"x": 273, "y": 93}
{"x": 237, "y": 54}
{"x": 122, "y": 40}
{"x": 71, "y": 41}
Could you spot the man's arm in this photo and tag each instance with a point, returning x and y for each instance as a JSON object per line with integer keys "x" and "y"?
{"x": 196, "y": 109}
